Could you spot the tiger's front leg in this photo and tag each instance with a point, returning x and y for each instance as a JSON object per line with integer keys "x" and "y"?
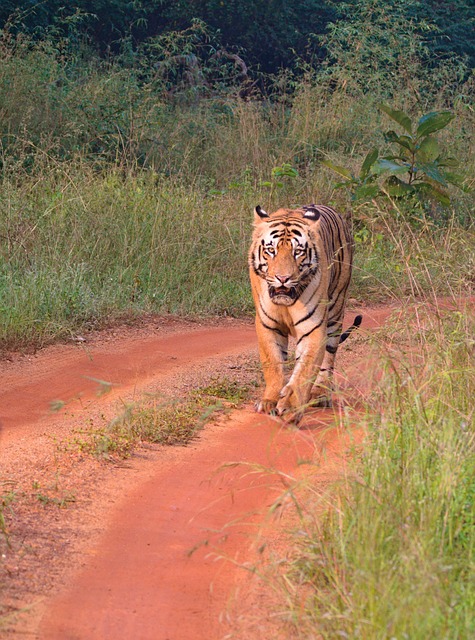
{"x": 309, "y": 354}
{"x": 273, "y": 346}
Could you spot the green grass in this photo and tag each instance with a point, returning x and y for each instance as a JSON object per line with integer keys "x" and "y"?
{"x": 6, "y": 499}
{"x": 397, "y": 259}
{"x": 395, "y": 556}
{"x": 52, "y": 495}
{"x": 165, "y": 421}
{"x": 82, "y": 249}
{"x": 81, "y": 253}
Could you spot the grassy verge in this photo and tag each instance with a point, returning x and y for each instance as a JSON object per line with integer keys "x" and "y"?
{"x": 398, "y": 259}
{"x": 82, "y": 253}
{"x": 162, "y": 422}
{"x": 395, "y": 557}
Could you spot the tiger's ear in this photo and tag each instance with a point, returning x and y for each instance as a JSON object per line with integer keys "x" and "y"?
{"x": 259, "y": 213}
{"x": 311, "y": 212}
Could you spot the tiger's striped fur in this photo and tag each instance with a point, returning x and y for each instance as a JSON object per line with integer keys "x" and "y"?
{"x": 300, "y": 264}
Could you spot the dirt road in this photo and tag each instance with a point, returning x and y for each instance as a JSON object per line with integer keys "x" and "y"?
{"x": 153, "y": 550}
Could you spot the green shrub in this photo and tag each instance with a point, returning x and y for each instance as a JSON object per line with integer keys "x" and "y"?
{"x": 418, "y": 157}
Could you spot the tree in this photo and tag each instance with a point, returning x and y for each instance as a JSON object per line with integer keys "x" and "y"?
{"x": 455, "y": 22}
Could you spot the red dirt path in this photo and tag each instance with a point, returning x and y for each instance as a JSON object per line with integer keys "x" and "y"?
{"x": 138, "y": 580}
{"x": 141, "y": 581}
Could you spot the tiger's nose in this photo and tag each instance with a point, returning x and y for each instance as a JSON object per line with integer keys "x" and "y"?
{"x": 282, "y": 278}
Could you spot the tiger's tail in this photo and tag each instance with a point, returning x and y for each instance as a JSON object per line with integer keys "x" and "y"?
{"x": 356, "y": 323}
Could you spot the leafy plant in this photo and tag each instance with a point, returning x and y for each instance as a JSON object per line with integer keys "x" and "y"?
{"x": 279, "y": 175}
{"x": 230, "y": 391}
{"x": 418, "y": 168}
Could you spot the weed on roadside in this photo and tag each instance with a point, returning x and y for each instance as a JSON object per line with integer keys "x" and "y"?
{"x": 6, "y": 500}
{"x": 230, "y": 391}
{"x": 164, "y": 421}
{"x": 52, "y": 495}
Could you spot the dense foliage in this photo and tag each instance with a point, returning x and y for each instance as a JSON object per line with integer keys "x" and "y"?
{"x": 267, "y": 34}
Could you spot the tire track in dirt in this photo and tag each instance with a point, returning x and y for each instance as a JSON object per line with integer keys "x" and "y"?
{"x": 165, "y": 567}
{"x": 74, "y": 374}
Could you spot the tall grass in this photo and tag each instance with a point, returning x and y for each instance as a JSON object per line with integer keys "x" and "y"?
{"x": 84, "y": 247}
{"x": 81, "y": 248}
{"x": 395, "y": 558}
{"x": 399, "y": 257}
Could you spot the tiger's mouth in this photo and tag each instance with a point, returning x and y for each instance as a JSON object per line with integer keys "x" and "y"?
{"x": 283, "y": 295}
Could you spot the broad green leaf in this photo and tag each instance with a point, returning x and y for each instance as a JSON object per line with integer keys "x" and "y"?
{"x": 290, "y": 171}
{"x": 366, "y": 191}
{"x": 368, "y": 163}
{"x": 338, "y": 169}
{"x": 448, "y": 162}
{"x": 395, "y": 187}
{"x": 398, "y": 116}
{"x": 428, "y": 150}
{"x": 400, "y": 159}
{"x": 403, "y": 141}
{"x": 407, "y": 142}
{"x": 457, "y": 179}
{"x": 285, "y": 170}
{"x": 391, "y": 136}
{"x": 339, "y": 185}
{"x": 428, "y": 190}
{"x": 431, "y": 170}
{"x": 432, "y": 122}
{"x": 384, "y": 165}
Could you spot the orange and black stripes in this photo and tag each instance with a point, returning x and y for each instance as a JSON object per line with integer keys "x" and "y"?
{"x": 300, "y": 264}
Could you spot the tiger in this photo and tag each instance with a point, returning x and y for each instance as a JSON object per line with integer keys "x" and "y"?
{"x": 300, "y": 265}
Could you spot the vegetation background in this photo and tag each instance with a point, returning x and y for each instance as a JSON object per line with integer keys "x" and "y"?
{"x": 136, "y": 139}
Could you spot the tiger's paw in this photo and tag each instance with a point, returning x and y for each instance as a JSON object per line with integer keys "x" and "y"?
{"x": 266, "y": 406}
{"x": 291, "y": 416}
{"x": 289, "y": 407}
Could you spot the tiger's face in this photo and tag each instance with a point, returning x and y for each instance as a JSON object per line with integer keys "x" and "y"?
{"x": 284, "y": 254}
